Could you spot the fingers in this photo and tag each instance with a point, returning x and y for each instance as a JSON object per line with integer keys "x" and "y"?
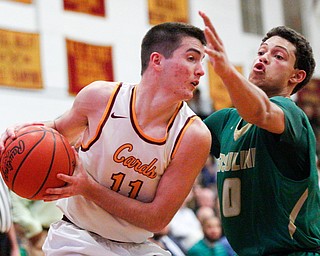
{"x": 53, "y": 197}
{"x": 211, "y": 53}
{"x": 54, "y": 191}
{"x": 2, "y": 141}
{"x": 48, "y": 199}
{"x": 206, "y": 20}
{"x": 210, "y": 32}
{"x": 10, "y": 132}
{"x": 64, "y": 177}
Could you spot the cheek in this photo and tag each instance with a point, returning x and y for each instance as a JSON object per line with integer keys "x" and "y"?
{"x": 180, "y": 71}
{"x": 281, "y": 68}
{"x": 279, "y": 73}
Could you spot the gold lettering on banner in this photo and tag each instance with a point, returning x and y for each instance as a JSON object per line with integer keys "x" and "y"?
{"x": 20, "y": 59}
{"x": 23, "y": 1}
{"x": 168, "y": 10}
{"x": 91, "y": 7}
{"x": 87, "y": 63}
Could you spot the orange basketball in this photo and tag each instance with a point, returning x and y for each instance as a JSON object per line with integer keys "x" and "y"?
{"x": 30, "y": 163}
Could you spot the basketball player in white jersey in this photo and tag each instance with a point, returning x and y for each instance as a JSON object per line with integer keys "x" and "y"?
{"x": 141, "y": 150}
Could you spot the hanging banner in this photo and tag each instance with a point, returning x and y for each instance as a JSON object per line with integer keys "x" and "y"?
{"x": 168, "y": 10}
{"x": 308, "y": 100}
{"x": 218, "y": 92}
{"x": 23, "y": 1}
{"x": 91, "y": 7}
{"x": 88, "y": 63}
{"x": 310, "y": 93}
{"x": 20, "y": 59}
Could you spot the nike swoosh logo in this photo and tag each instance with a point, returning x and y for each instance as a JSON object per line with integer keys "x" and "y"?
{"x": 113, "y": 115}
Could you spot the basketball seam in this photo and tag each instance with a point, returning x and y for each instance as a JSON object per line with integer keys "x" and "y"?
{"x": 25, "y": 158}
{"x": 51, "y": 164}
{"x": 22, "y": 135}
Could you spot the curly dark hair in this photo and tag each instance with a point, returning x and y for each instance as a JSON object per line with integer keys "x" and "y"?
{"x": 304, "y": 55}
{"x": 165, "y": 38}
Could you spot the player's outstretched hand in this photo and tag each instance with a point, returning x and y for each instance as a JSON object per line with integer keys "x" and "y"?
{"x": 77, "y": 184}
{"x": 215, "y": 48}
{"x": 11, "y": 132}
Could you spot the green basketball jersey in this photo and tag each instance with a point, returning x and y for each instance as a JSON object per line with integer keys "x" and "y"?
{"x": 267, "y": 183}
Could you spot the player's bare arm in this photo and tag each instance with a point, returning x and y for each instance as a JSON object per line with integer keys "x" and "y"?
{"x": 72, "y": 123}
{"x": 173, "y": 188}
{"x": 87, "y": 108}
{"x": 261, "y": 111}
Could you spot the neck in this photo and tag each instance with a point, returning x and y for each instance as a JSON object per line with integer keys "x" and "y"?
{"x": 153, "y": 111}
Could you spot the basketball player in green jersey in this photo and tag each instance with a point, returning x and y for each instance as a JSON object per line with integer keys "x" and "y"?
{"x": 267, "y": 180}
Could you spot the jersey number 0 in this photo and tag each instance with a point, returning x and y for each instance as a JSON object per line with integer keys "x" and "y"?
{"x": 231, "y": 204}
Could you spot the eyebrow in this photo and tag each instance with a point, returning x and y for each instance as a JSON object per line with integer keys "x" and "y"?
{"x": 195, "y": 50}
{"x": 276, "y": 46}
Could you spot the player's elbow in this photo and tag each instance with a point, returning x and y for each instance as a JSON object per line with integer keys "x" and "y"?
{"x": 158, "y": 222}
{"x": 158, "y": 225}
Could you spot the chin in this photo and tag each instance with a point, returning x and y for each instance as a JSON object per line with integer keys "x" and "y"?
{"x": 187, "y": 95}
{"x": 255, "y": 80}
{"x": 259, "y": 83}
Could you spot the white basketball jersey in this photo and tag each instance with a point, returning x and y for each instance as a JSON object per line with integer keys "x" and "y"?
{"x": 122, "y": 158}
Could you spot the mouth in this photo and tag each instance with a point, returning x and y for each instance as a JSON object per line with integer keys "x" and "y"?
{"x": 259, "y": 67}
{"x": 195, "y": 83}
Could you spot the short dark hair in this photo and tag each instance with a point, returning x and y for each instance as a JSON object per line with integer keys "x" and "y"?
{"x": 165, "y": 38}
{"x": 304, "y": 55}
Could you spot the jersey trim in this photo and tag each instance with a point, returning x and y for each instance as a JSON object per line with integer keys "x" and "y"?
{"x": 295, "y": 211}
{"x": 103, "y": 120}
{"x": 181, "y": 133}
{"x": 140, "y": 132}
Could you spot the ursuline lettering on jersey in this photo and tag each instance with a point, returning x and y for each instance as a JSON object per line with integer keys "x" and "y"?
{"x": 235, "y": 161}
{"x": 146, "y": 169}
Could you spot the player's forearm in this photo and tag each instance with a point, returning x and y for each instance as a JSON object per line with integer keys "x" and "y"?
{"x": 70, "y": 129}
{"x": 142, "y": 215}
{"x": 251, "y": 102}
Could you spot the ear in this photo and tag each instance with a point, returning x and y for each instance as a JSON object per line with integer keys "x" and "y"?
{"x": 155, "y": 60}
{"x": 298, "y": 76}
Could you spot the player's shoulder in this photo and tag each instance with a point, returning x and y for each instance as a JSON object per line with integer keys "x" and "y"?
{"x": 199, "y": 131}
{"x": 288, "y": 106}
{"x": 96, "y": 91}
{"x": 99, "y": 87}
{"x": 285, "y": 102}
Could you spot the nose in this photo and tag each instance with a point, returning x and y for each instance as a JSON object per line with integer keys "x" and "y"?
{"x": 264, "y": 59}
{"x": 200, "y": 70}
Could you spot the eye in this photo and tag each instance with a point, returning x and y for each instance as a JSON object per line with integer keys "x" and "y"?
{"x": 191, "y": 58}
{"x": 260, "y": 53}
{"x": 279, "y": 57}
